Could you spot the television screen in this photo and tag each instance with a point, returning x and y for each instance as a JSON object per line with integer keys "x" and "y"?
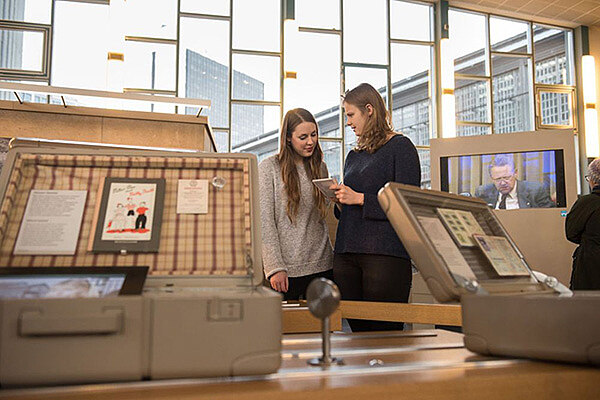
{"x": 532, "y": 179}
{"x": 18, "y": 287}
{"x": 69, "y": 282}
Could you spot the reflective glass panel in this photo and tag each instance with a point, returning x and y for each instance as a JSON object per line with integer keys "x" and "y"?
{"x": 374, "y": 76}
{"x": 249, "y": 123}
{"x": 21, "y": 50}
{"x": 410, "y": 21}
{"x": 467, "y": 33}
{"x": 513, "y": 111}
{"x": 256, "y": 25}
{"x": 26, "y": 97}
{"x": 553, "y": 55}
{"x": 149, "y": 65}
{"x": 556, "y": 108}
{"x": 350, "y": 138}
{"x": 222, "y": 140}
{"x": 333, "y": 158}
{"x": 204, "y": 67}
{"x": 318, "y": 83}
{"x": 472, "y": 130}
{"x": 425, "y": 162}
{"x": 256, "y": 77}
{"x": 411, "y": 91}
{"x": 362, "y": 44}
{"x": 412, "y": 119}
{"x": 509, "y": 36}
{"x": 151, "y": 18}
{"x": 472, "y": 99}
{"x": 37, "y": 11}
{"x": 212, "y": 7}
{"x": 80, "y": 48}
{"x": 318, "y": 13}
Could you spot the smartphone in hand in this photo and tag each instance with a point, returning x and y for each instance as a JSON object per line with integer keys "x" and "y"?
{"x": 323, "y": 185}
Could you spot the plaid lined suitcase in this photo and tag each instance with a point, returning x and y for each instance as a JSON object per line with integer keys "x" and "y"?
{"x": 203, "y": 311}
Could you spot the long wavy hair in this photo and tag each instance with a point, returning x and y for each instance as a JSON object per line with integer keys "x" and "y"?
{"x": 288, "y": 158}
{"x": 378, "y": 125}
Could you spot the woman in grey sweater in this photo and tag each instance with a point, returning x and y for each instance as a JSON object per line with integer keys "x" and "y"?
{"x": 296, "y": 246}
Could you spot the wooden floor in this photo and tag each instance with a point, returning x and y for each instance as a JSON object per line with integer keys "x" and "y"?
{"x": 430, "y": 364}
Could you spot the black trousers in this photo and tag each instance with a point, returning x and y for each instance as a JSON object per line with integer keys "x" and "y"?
{"x": 140, "y": 221}
{"x": 373, "y": 277}
{"x": 297, "y": 286}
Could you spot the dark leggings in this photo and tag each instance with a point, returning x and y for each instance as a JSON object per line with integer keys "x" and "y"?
{"x": 297, "y": 286}
{"x": 373, "y": 277}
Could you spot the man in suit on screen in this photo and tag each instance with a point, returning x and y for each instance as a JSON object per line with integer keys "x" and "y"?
{"x": 507, "y": 192}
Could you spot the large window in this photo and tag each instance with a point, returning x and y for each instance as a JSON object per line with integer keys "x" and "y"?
{"x": 511, "y": 75}
{"x": 396, "y": 57}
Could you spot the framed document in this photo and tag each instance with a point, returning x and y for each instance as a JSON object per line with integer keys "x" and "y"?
{"x": 501, "y": 255}
{"x": 129, "y": 215}
{"x": 462, "y": 225}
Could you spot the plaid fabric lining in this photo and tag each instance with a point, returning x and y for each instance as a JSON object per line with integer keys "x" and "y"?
{"x": 208, "y": 244}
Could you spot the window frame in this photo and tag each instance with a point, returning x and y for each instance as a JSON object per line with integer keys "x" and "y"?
{"x": 23, "y": 74}
{"x": 558, "y": 89}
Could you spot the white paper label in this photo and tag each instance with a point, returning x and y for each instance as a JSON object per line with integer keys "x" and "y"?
{"x": 192, "y": 196}
{"x": 51, "y": 222}
{"x": 445, "y": 246}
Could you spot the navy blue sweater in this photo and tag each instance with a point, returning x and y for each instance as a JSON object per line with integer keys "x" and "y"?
{"x": 366, "y": 229}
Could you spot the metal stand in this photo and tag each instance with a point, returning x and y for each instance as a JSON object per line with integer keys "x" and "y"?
{"x": 323, "y": 298}
{"x": 325, "y": 360}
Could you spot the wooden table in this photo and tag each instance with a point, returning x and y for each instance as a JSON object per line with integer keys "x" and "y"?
{"x": 298, "y": 319}
{"x": 430, "y": 364}
{"x": 435, "y": 314}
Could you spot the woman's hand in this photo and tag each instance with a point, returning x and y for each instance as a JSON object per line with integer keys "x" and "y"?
{"x": 345, "y": 195}
{"x": 279, "y": 281}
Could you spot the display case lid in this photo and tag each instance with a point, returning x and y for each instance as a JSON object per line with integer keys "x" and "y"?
{"x": 459, "y": 245}
{"x": 218, "y": 246}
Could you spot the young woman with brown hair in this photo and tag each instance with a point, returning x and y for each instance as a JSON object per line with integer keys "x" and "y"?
{"x": 370, "y": 262}
{"x": 296, "y": 246}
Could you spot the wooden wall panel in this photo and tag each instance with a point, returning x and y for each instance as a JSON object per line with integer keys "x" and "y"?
{"x": 49, "y": 121}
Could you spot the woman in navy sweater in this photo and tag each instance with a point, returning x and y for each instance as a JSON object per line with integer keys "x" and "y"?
{"x": 370, "y": 263}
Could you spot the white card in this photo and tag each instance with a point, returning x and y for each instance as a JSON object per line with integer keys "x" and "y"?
{"x": 51, "y": 222}
{"x": 192, "y": 196}
{"x": 446, "y": 248}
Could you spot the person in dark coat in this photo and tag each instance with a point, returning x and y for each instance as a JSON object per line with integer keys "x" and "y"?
{"x": 583, "y": 227}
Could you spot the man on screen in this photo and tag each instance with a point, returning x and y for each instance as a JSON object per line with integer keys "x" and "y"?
{"x": 509, "y": 193}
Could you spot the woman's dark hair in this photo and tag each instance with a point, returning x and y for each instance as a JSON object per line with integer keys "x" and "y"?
{"x": 288, "y": 158}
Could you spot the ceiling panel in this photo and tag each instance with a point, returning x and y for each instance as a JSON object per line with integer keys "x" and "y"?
{"x": 580, "y": 12}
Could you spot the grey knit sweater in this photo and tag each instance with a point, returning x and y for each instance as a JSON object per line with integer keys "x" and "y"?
{"x": 300, "y": 248}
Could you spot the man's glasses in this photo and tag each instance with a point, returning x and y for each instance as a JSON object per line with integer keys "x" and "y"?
{"x": 503, "y": 178}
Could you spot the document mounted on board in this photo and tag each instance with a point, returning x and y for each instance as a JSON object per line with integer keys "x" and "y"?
{"x": 129, "y": 215}
{"x": 461, "y": 225}
{"x": 51, "y": 222}
{"x": 192, "y": 196}
{"x": 446, "y": 247}
{"x": 501, "y": 255}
